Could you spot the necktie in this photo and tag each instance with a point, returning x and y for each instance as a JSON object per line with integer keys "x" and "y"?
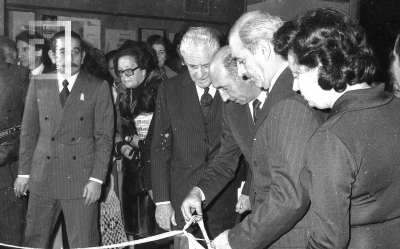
{"x": 256, "y": 109}
{"x": 205, "y": 102}
{"x": 64, "y": 93}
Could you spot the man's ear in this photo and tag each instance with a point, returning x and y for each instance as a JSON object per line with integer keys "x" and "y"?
{"x": 52, "y": 56}
{"x": 265, "y": 48}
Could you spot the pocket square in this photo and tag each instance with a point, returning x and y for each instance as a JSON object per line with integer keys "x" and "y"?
{"x": 82, "y": 97}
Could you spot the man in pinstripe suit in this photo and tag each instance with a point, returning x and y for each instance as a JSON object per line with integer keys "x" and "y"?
{"x": 186, "y": 139}
{"x": 66, "y": 142}
{"x": 14, "y": 82}
{"x": 279, "y": 216}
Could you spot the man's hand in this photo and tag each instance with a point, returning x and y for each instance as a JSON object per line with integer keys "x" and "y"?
{"x": 192, "y": 203}
{"x": 165, "y": 215}
{"x": 21, "y": 186}
{"x": 91, "y": 192}
{"x": 221, "y": 241}
{"x": 243, "y": 204}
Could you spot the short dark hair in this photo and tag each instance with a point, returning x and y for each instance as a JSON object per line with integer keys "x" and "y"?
{"x": 111, "y": 55}
{"x": 230, "y": 65}
{"x": 158, "y": 39}
{"x": 139, "y": 51}
{"x": 330, "y": 40}
{"x": 26, "y": 36}
{"x": 62, "y": 34}
{"x": 6, "y": 42}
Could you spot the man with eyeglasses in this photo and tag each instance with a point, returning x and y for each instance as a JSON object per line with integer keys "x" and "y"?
{"x": 187, "y": 137}
{"x": 31, "y": 56}
{"x": 66, "y": 141}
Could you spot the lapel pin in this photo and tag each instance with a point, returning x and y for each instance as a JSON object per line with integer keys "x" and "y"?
{"x": 82, "y": 97}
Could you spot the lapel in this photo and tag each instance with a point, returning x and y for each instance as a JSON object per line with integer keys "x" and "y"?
{"x": 282, "y": 89}
{"x": 54, "y": 100}
{"x": 214, "y": 118}
{"x": 241, "y": 118}
{"x": 190, "y": 102}
{"x": 73, "y": 102}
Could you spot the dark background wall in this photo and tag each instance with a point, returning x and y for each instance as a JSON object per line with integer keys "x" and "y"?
{"x": 381, "y": 21}
{"x": 171, "y": 15}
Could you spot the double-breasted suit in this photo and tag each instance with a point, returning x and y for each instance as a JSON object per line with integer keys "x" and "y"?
{"x": 61, "y": 148}
{"x": 275, "y": 151}
{"x": 14, "y": 81}
{"x": 184, "y": 145}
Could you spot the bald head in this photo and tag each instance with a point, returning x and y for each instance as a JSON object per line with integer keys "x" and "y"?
{"x": 224, "y": 77}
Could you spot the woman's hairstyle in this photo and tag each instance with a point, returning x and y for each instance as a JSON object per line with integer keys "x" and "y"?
{"x": 330, "y": 40}
{"x": 158, "y": 39}
{"x": 140, "y": 52}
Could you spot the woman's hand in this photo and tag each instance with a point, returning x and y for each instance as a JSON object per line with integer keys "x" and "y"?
{"x": 126, "y": 151}
{"x": 135, "y": 141}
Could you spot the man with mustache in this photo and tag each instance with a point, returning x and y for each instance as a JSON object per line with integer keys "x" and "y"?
{"x": 66, "y": 140}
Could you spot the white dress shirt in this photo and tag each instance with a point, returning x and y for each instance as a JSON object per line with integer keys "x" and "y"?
{"x": 38, "y": 70}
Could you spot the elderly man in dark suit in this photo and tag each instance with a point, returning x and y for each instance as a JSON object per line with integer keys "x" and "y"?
{"x": 187, "y": 137}
{"x": 284, "y": 124}
{"x": 66, "y": 141}
{"x": 14, "y": 81}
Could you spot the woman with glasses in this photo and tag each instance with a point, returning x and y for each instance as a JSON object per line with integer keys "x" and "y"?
{"x": 162, "y": 48}
{"x": 135, "y": 65}
{"x": 352, "y": 167}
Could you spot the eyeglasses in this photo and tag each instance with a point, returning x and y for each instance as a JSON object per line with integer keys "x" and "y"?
{"x": 128, "y": 72}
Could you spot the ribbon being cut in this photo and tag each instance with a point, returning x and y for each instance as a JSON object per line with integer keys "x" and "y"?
{"x": 193, "y": 244}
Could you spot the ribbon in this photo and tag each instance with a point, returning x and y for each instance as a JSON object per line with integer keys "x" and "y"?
{"x": 193, "y": 244}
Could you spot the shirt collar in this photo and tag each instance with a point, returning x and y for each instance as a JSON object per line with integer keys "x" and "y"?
{"x": 71, "y": 81}
{"x": 38, "y": 70}
{"x": 200, "y": 91}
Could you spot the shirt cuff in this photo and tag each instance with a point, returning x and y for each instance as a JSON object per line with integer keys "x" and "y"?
{"x": 163, "y": 202}
{"x": 24, "y": 176}
{"x": 95, "y": 180}
{"x": 203, "y": 198}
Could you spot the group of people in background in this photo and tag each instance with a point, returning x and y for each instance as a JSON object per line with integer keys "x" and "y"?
{"x": 290, "y": 108}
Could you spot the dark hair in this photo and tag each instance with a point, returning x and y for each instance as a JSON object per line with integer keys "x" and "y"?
{"x": 330, "y": 40}
{"x": 158, "y": 39}
{"x": 6, "y": 42}
{"x": 25, "y": 36}
{"x": 62, "y": 34}
{"x": 140, "y": 52}
{"x": 111, "y": 55}
{"x": 95, "y": 63}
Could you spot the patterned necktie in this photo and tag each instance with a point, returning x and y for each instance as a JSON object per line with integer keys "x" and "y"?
{"x": 64, "y": 93}
{"x": 205, "y": 102}
{"x": 256, "y": 109}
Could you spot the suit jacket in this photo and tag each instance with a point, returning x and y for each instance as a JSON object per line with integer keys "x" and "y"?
{"x": 275, "y": 151}
{"x": 184, "y": 146}
{"x": 353, "y": 162}
{"x": 14, "y": 81}
{"x": 61, "y": 148}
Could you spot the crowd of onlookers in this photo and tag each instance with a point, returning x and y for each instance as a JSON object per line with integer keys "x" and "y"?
{"x": 131, "y": 143}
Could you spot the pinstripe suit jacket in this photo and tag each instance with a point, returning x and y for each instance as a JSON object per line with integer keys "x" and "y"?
{"x": 275, "y": 151}
{"x": 14, "y": 81}
{"x": 182, "y": 149}
{"x": 61, "y": 148}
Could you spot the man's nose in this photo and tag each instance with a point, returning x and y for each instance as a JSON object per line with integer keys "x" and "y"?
{"x": 199, "y": 73}
{"x": 241, "y": 69}
{"x": 296, "y": 85}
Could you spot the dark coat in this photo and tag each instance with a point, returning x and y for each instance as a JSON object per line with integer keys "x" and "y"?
{"x": 353, "y": 163}
{"x": 183, "y": 147}
{"x": 275, "y": 150}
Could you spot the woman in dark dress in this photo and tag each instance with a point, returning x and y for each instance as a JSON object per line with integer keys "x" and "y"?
{"x": 352, "y": 169}
{"x": 135, "y": 65}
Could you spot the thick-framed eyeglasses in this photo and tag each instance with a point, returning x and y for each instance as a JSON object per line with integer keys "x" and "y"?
{"x": 127, "y": 72}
